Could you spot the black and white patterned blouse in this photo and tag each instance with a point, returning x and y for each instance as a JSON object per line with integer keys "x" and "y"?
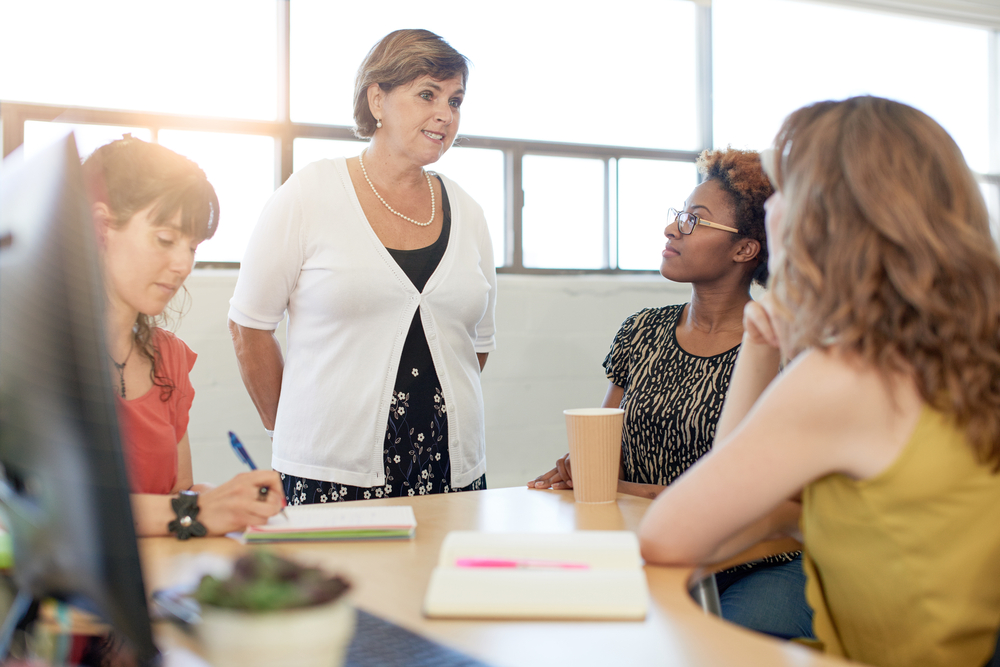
{"x": 672, "y": 399}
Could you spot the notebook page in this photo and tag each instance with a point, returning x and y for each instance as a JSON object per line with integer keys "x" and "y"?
{"x": 332, "y": 517}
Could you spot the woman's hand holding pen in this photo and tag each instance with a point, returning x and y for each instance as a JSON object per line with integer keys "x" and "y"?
{"x": 239, "y": 502}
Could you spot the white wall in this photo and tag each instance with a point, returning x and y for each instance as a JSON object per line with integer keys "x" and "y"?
{"x": 552, "y": 335}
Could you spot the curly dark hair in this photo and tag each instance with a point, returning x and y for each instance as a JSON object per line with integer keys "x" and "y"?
{"x": 741, "y": 175}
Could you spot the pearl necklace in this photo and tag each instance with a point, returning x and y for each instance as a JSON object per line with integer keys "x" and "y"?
{"x": 391, "y": 209}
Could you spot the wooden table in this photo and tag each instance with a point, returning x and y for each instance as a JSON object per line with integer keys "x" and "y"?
{"x": 390, "y": 579}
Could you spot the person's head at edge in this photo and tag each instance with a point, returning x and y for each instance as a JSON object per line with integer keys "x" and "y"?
{"x": 880, "y": 244}
{"x": 732, "y": 196}
{"x": 408, "y": 93}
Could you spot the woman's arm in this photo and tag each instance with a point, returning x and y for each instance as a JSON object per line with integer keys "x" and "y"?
{"x": 258, "y": 354}
{"x": 826, "y": 413}
{"x": 641, "y": 490}
{"x": 269, "y": 272}
{"x": 724, "y": 502}
{"x": 783, "y": 521}
{"x": 756, "y": 366}
{"x": 185, "y": 475}
{"x": 230, "y": 507}
{"x": 482, "y": 360}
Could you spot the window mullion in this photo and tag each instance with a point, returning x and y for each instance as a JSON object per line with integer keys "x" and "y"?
{"x": 606, "y": 241}
{"x": 283, "y": 157}
{"x": 513, "y": 207}
{"x": 994, "y": 101}
{"x": 703, "y": 78}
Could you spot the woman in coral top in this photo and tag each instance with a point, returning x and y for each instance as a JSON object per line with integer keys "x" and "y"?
{"x": 151, "y": 208}
{"x": 878, "y": 442}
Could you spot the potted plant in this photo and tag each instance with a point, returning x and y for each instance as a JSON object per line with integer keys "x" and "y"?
{"x": 273, "y": 611}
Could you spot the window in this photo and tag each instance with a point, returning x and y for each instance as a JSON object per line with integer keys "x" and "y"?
{"x": 183, "y": 57}
{"x": 38, "y": 135}
{"x": 563, "y": 218}
{"x": 579, "y": 130}
{"x": 857, "y": 52}
{"x": 241, "y": 169}
{"x": 646, "y": 189}
{"x": 480, "y": 173}
{"x": 627, "y": 85}
{"x": 991, "y": 193}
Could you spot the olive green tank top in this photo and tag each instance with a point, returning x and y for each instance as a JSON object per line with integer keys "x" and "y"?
{"x": 904, "y": 568}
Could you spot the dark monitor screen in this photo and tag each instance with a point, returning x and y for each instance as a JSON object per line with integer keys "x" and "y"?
{"x": 64, "y": 489}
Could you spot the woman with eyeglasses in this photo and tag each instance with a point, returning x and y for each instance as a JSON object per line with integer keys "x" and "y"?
{"x": 885, "y": 419}
{"x": 669, "y": 369}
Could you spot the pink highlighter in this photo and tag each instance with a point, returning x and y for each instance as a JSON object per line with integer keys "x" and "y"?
{"x": 525, "y": 563}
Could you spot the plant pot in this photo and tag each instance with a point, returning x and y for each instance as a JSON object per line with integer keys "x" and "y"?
{"x": 306, "y": 637}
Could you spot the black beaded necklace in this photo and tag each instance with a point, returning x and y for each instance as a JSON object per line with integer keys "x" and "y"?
{"x": 121, "y": 368}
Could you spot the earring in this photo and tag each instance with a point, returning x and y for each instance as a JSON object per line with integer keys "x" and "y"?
{"x": 378, "y": 123}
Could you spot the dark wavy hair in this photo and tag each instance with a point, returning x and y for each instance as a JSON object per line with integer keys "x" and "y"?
{"x": 887, "y": 252}
{"x": 130, "y": 175}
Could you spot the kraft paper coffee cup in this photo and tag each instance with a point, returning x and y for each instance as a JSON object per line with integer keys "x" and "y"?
{"x": 595, "y": 442}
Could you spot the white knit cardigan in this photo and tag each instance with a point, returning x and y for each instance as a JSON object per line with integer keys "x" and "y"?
{"x": 349, "y": 307}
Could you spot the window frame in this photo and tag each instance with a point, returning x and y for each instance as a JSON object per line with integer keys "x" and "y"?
{"x": 13, "y": 116}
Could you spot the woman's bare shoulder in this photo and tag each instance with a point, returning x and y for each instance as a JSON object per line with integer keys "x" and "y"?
{"x": 854, "y": 411}
{"x": 837, "y": 374}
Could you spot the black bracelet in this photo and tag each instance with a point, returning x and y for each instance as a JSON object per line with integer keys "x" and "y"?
{"x": 186, "y": 524}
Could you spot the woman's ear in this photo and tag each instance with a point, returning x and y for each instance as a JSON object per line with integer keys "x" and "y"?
{"x": 747, "y": 250}
{"x": 102, "y": 222}
{"x": 375, "y": 97}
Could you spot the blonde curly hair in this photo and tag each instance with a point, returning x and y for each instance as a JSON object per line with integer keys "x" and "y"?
{"x": 888, "y": 253}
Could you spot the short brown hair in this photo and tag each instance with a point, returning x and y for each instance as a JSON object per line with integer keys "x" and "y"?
{"x": 399, "y": 58}
{"x": 888, "y": 253}
{"x": 741, "y": 176}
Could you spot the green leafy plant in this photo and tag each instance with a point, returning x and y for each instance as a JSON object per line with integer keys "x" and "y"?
{"x": 263, "y": 581}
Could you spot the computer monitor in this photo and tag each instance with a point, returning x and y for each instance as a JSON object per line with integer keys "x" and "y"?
{"x": 64, "y": 492}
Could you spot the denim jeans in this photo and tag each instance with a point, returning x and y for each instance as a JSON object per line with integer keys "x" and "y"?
{"x": 770, "y": 599}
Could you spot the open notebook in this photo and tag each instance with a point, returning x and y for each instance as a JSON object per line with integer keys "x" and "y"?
{"x": 584, "y": 574}
{"x": 306, "y": 523}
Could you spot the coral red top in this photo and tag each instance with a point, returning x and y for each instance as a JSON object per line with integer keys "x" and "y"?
{"x": 151, "y": 427}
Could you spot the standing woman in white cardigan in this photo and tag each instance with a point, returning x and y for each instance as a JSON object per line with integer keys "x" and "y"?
{"x": 386, "y": 272}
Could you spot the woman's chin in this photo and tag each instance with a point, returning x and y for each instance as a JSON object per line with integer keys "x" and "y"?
{"x": 665, "y": 271}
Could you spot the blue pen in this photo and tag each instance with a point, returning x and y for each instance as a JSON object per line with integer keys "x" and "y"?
{"x": 242, "y": 455}
{"x": 241, "y": 452}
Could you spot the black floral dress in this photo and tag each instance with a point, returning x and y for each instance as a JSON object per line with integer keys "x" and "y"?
{"x": 415, "y": 449}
